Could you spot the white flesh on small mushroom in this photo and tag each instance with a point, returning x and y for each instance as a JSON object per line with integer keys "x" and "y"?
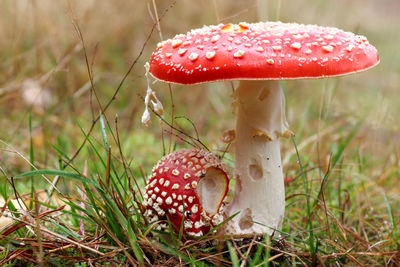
{"x": 259, "y": 192}
{"x": 211, "y": 190}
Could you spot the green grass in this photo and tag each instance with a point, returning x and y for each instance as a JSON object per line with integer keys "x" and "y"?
{"x": 77, "y": 164}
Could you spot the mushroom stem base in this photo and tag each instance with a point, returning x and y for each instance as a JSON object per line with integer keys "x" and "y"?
{"x": 259, "y": 193}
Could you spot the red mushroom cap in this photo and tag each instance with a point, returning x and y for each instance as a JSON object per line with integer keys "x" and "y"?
{"x": 271, "y": 50}
{"x": 176, "y": 188}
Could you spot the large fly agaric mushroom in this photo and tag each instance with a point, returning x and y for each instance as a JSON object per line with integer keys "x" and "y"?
{"x": 189, "y": 187}
{"x": 259, "y": 55}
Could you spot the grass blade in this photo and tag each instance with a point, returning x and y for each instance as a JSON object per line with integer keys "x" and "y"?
{"x": 103, "y": 131}
{"x": 336, "y": 158}
{"x": 267, "y": 250}
{"x": 31, "y": 158}
{"x": 257, "y": 256}
{"x": 309, "y": 209}
{"x": 232, "y": 253}
{"x": 395, "y": 234}
{"x": 60, "y": 173}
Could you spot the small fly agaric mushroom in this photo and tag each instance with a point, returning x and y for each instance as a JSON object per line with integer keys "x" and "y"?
{"x": 187, "y": 183}
{"x": 259, "y": 55}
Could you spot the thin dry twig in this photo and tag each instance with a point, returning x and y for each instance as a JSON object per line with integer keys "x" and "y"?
{"x": 11, "y": 148}
{"x": 179, "y": 131}
{"x": 114, "y": 96}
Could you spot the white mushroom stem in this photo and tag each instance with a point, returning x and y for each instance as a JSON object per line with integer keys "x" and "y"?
{"x": 259, "y": 192}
